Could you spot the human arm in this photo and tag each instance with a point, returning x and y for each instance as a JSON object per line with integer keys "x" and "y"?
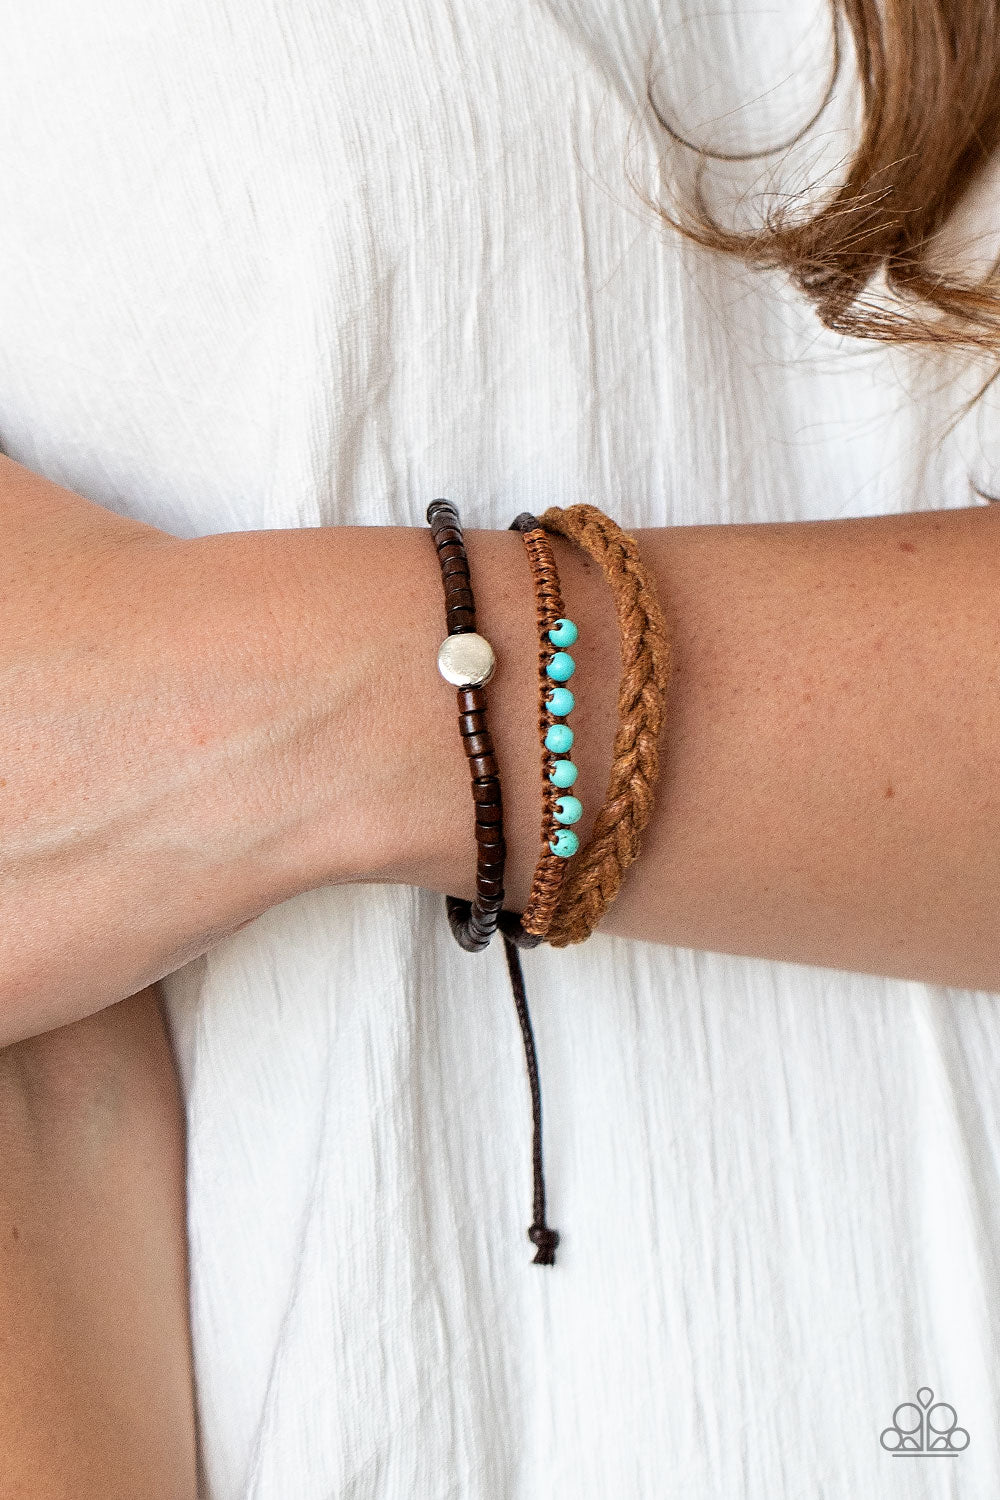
{"x": 193, "y": 731}
{"x": 96, "y": 1390}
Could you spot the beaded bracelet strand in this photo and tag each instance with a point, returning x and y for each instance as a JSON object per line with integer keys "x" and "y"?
{"x": 558, "y": 841}
{"x": 555, "y": 702}
{"x": 467, "y": 661}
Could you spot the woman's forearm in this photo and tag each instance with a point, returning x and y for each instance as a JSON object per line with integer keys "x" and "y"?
{"x": 830, "y": 790}
{"x": 192, "y": 731}
{"x": 96, "y": 1387}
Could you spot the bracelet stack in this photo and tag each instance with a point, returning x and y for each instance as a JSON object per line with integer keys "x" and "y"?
{"x": 467, "y": 661}
{"x": 571, "y": 889}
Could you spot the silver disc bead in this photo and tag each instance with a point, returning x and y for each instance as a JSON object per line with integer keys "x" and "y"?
{"x": 466, "y": 660}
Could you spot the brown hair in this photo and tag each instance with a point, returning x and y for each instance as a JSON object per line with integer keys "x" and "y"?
{"x": 930, "y": 119}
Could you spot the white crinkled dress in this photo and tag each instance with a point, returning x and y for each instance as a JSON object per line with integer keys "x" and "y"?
{"x": 278, "y": 263}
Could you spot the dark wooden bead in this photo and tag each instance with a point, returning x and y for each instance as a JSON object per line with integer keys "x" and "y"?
{"x": 448, "y": 550}
{"x": 482, "y": 766}
{"x": 460, "y": 619}
{"x": 474, "y": 723}
{"x": 489, "y": 812}
{"x": 487, "y": 791}
{"x": 473, "y": 940}
{"x": 470, "y": 700}
{"x": 489, "y": 833}
{"x": 455, "y": 566}
{"x": 478, "y": 744}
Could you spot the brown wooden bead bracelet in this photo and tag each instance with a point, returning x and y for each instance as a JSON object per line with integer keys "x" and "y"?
{"x": 466, "y": 660}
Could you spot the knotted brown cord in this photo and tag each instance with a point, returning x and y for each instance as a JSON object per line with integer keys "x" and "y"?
{"x": 645, "y": 660}
{"x": 550, "y": 871}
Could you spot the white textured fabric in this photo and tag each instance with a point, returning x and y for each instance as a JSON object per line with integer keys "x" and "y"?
{"x": 269, "y": 263}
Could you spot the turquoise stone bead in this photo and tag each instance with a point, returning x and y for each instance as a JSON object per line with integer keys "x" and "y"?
{"x": 565, "y": 843}
{"x": 563, "y": 773}
{"x": 559, "y": 739}
{"x": 568, "y": 809}
{"x": 561, "y": 666}
{"x": 560, "y": 702}
{"x": 563, "y": 633}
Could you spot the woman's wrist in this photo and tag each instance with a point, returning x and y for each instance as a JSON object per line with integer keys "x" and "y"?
{"x": 197, "y": 730}
{"x": 377, "y": 774}
{"x": 136, "y": 736}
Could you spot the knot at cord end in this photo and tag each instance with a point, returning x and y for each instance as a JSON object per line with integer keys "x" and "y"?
{"x": 546, "y": 1239}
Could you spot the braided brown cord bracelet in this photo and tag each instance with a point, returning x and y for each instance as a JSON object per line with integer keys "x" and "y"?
{"x": 599, "y": 868}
